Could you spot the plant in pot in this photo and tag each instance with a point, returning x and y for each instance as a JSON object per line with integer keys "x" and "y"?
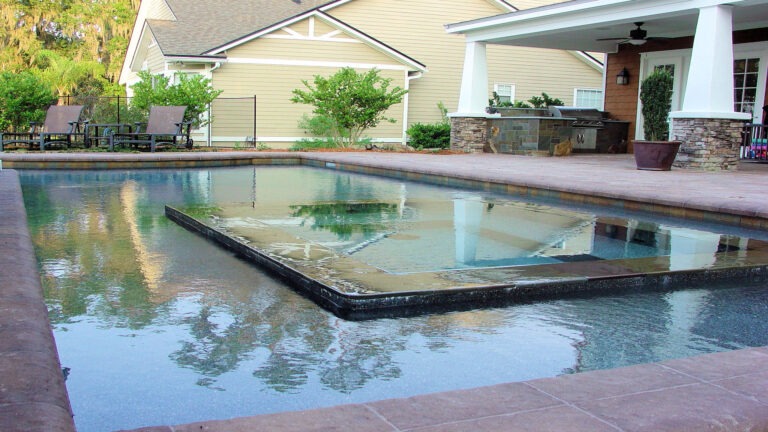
{"x": 656, "y": 152}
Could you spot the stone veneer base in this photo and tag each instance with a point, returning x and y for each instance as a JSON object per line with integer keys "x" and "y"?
{"x": 708, "y": 144}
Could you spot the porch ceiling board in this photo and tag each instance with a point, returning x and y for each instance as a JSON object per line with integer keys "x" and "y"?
{"x": 576, "y": 25}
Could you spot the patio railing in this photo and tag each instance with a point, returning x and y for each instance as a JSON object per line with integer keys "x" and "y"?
{"x": 754, "y": 143}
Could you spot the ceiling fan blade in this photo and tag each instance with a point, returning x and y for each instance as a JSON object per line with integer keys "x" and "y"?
{"x": 613, "y": 39}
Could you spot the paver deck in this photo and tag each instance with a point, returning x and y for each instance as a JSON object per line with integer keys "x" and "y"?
{"x": 725, "y": 391}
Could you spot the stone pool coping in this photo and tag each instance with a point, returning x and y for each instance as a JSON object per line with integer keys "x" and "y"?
{"x": 724, "y": 391}
{"x": 33, "y": 396}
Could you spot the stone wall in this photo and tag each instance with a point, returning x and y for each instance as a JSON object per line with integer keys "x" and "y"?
{"x": 707, "y": 144}
{"x": 527, "y": 135}
{"x": 469, "y": 134}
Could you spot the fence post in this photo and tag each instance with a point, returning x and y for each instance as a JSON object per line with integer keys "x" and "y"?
{"x": 209, "y": 139}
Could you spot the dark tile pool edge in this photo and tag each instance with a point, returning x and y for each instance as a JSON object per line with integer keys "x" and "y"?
{"x": 413, "y": 302}
{"x": 116, "y": 161}
{"x": 33, "y": 395}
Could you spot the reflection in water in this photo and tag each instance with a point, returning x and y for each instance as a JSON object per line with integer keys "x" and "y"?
{"x": 159, "y": 326}
{"x": 346, "y": 218}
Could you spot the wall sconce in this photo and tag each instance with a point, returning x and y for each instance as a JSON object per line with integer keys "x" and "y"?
{"x": 622, "y": 78}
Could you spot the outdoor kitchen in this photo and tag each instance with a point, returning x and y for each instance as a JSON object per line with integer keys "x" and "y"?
{"x": 556, "y": 130}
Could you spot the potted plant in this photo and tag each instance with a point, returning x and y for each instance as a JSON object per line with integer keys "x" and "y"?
{"x": 656, "y": 152}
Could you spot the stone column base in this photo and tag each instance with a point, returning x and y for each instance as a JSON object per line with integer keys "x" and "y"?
{"x": 708, "y": 144}
{"x": 469, "y": 134}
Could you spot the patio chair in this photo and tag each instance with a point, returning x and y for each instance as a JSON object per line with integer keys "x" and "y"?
{"x": 62, "y": 122}
{"x": 165, "y": 125}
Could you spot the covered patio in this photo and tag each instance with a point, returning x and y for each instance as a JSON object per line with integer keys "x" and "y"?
{"x": 716, "y": 50}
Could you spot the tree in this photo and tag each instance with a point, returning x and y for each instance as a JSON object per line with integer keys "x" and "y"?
{"x": 353, "y": 101}
{"x": 96, "y": 30}
{"x": 23, "y": 98}
{"x": 67, "y": 76}
{"x": 656, "y": 97}
{"x": 193, "y": 91}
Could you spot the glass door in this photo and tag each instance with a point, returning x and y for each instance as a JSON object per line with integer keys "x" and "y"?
{"x": 674, "y": 66}
{"x": 745, "y": 86}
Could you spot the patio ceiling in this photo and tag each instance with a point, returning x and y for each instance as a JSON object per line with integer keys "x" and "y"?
{"x": 577, "y": 25}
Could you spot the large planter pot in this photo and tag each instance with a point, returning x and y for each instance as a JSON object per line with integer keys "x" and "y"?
{"x": 655, "y": 155}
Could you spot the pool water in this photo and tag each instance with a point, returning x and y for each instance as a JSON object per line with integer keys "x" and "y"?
{"x": 159, "y": 326}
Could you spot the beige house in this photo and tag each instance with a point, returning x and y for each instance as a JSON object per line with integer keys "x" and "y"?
{"x": 262, "y": 49}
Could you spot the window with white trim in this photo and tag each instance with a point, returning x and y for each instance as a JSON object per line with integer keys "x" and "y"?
{"x": 505, "y": 92}
{"x": 588, "y": 98}
{"x": 745, "y": 84}
{"x": 176, "y": 77}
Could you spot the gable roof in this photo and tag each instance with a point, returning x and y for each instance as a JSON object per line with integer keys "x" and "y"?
{"x": 198, "y": 27}
{"x": 365, "y": 38}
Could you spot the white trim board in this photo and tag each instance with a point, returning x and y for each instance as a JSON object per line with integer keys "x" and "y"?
{"x": 315, "y": 63}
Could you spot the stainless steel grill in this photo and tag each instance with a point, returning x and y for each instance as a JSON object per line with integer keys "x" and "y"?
{"x": 592, "y": 131}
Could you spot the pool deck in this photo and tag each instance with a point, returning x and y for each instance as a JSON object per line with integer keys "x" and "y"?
{"x": 723, "y": 392}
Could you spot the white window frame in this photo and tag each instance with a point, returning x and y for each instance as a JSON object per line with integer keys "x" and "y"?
{"x": 757, "y": 50}
{"x": 511, "y": 86}
{"x": 598, "y": 106}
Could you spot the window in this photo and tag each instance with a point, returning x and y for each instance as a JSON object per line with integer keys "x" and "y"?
{"x": 176, "y": 77}
{"x": 588, "y": 98}
{"x": 505, "y": 92}
{"x": 669, "y": 68}
{"x": 745, "y": 84}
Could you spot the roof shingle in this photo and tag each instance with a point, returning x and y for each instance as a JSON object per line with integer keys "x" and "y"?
{"x": 201, "y": 26}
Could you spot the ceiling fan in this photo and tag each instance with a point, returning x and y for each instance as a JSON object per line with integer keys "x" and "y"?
{"x": 636, "y": 36}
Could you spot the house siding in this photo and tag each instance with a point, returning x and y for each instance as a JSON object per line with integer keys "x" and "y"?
{"x": 420, "y": 33}
{"x": 155, "y": 60}
{"x": 312, "y": 51}
{"x": 534, "y": 71}
{"x": 273, "y": 84}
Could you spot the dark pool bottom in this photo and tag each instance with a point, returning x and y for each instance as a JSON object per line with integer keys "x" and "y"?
{"x": 356, "y": 292}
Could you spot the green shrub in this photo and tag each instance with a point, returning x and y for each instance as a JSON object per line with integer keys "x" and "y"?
{"x": 545, "y": 101}
{"x": 23, "y": 98}
{"x": 191, "y": 90}
{"x": 354, "y": 101}
{"x": 435, "y": 135}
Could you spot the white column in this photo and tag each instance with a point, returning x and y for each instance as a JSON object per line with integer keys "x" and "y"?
{"x": 474, "y": 82}
{"x": 709, "y": 89}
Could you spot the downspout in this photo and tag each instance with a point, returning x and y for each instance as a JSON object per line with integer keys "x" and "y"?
{"x": 406, "y": 99}
{"x": 210, "y": 130}
{"x": 605, "y": 80}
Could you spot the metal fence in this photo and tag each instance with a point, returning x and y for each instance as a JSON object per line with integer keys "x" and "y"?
{"x": 754, "y": 144}
{"x": 227, "y": 122}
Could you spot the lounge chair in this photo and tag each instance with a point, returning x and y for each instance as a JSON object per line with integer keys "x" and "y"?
{"x": 62, "y": 122}
{"x": 165, "y": 125}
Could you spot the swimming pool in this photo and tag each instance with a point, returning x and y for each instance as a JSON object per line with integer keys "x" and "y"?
{"x": 159, "y": 326}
